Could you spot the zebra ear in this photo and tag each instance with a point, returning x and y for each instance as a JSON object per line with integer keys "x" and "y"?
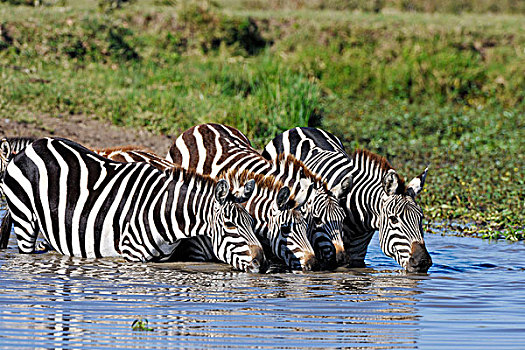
{"x": 282, "y": 198}
{"x": 391, "y": 182}
{"x": 221, "y": 191}
{"x": 304, "y": 193}
{"x": 416, "y": 184}
{"x": 343, "y": 188}
{"x": 247, "y": 191}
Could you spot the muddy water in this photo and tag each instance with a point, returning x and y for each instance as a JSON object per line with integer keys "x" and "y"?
{"x": 473, "y": 297}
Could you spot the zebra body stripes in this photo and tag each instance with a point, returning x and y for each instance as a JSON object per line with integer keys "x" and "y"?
{"x": 379, "y": 199}
{"x": 213, "y": 149}
{"x": 88, "y": 206}
{"x": 198, "y": 248}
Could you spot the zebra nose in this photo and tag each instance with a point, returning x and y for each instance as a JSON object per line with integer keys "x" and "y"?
{"x": 341, "y": 256}
{"x": 258, "y": 263}
{"x": 309, "y": 262}
{"x": 420, "y": 260}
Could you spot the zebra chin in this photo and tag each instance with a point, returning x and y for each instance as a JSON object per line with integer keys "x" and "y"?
{"x": 258, "y": 263}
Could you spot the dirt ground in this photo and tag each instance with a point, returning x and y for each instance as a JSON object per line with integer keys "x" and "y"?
{"x": 86, "y": 131}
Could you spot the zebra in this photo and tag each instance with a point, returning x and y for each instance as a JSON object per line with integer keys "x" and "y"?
{"x": 266, "y": 190}
{"x": 379, "y": 200}
{"x": 214, "y": 148}
{"x": 197, "y": 248}
{"x": 89, "y": 206}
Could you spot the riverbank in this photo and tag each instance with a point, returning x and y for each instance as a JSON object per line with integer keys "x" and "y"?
{"x": 441, "y": 89}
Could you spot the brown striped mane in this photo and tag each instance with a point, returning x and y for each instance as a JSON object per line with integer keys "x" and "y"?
{"x": 173, "y": 170}
{"x": 265, "y": 181}
{"x": 380, "y": 162}
{"x": 188, "y": 174}
{"x": 123, "y": 149}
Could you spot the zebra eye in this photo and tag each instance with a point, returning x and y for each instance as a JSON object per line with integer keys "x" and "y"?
{"x": 317, "y": 220}
{"x": 393, "y": 219}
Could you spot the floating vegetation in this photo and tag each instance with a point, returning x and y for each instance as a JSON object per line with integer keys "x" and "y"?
{"x": 141, "y": 325}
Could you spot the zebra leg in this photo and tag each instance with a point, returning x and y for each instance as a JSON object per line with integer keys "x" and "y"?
{"x": 26, "y": 234}
{"x": 43, "y": 247}
{"x": 5, "y": 229}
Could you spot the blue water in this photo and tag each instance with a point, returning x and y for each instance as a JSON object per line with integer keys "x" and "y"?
{"x": 472, "y": 298}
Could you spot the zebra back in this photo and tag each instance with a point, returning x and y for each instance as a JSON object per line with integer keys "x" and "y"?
{"x": 127, "y": 154}
{"x": 378, "y": 195}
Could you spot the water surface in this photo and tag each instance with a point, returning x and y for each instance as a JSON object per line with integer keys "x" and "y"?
{"x": 473, "y": 297}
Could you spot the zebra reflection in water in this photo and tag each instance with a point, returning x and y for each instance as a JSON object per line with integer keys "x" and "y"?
{"x": 75, "y": 301}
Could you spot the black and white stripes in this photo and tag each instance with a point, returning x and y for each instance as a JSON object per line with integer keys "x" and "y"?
{"x": 378, "y": 200}
{"x": 213, "y": 149}
{"x": 88, "y": 206}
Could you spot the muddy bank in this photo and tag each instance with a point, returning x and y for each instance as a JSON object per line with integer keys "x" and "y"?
{"x": 89, "y": 132}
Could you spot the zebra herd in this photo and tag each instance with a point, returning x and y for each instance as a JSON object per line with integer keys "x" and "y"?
{"x": 303, "y": 201}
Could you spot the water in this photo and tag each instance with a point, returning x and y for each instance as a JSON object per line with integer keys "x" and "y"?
{"x": 473, "y": 297}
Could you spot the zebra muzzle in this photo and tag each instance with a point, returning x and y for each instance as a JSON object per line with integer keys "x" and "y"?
{"x": 258, "y": 263}
{"x": 309, "y": 262}
{"x": 420, "y": 260}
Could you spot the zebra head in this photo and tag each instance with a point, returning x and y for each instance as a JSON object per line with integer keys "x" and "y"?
{"x": 288, "y": 231}
{"x": 233, "y": 229}
{"x": 400, "y": 223}
{"x": 325, "y": 218}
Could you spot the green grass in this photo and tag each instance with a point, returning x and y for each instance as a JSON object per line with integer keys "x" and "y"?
{"x": 419, "y": 88}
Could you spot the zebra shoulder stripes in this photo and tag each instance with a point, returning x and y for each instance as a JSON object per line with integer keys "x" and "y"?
{"x": 378, "y": 201}
{"x": 86, "y": 205}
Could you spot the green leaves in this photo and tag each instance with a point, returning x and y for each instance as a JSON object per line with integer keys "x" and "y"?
{"x": 141, "y": 325}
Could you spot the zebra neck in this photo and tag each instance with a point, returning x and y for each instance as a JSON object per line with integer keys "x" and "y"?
{"x": 259, "y": 206}
{"x": 363, "y": 204}
{"x": 186, "y": 208}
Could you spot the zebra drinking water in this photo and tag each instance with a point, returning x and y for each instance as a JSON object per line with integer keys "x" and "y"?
{"x": 213, "y": 148}
{"x": 379, "y": 199}
{"x": 88, "y": 206}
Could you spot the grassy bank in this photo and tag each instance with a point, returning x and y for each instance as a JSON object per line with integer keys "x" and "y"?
{"x": 418, "y": 88}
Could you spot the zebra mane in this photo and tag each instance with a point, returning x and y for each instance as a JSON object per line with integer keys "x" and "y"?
{"x": 379, "y": 161}
{"x": 241, "y": 177}
{"x": 297, "y": 166}
{"x": 189, "y": 174}
{"x": 269, "y": 182}
{"x": 21, "y": 138}
{"x": 124, "y": 149}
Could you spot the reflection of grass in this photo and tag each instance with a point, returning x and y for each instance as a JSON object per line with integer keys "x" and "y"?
{"x": 418, "y": 88}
